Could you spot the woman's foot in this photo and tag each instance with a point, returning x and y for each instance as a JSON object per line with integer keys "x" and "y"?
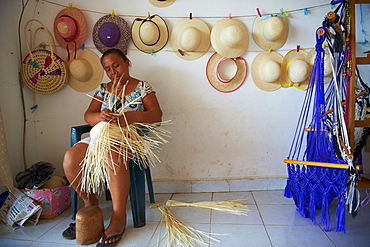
{"x": 114, "y": 231}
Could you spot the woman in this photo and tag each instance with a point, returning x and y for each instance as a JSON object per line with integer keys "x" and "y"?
{"x": 144, "y": 110}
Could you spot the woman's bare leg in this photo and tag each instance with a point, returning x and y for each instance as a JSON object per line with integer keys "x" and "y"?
{"x": 119, "y": 186}
{"x": 72, "y": 168}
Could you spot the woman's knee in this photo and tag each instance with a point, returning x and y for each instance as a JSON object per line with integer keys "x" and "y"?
{"x": 74, "y": 156}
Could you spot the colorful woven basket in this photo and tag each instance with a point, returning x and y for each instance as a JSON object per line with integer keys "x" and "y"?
{"x": 42, "y": 70}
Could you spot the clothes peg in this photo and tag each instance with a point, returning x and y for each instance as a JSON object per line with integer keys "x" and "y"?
{"x": 298, "y": 48}
{"x": 230, "y": 16}
{"x": 258, "y": 12}
{"x": 113, "y": 13}
{"x": 83, "y": 47}
{"x": 149, "y": 15}
{"x": 151, "y": 52}
{"x": 191, "y": 16}
{"x": 181, "y": 52}
{"x": 70, "y": 5}
{"x": 282, "y": 12}
{"x": 305, "y": 11}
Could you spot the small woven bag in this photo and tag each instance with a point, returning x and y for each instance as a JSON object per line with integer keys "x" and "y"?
{"x": 42, "y": 70}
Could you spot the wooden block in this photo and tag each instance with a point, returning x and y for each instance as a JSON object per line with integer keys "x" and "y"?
{"x": 89, "y": 225}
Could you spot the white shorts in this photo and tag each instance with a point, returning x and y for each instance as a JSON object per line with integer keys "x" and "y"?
{"x": 86, "y": 140}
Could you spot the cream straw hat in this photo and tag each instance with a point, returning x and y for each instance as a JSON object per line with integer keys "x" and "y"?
{"x": 229, "y": 37}
{"x": 190, "y": 38}
{"x": 328, "y": 71}
{"x": 161, "y": 3}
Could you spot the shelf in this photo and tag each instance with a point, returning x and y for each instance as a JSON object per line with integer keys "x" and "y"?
{"x": 363, "y": 60}
{"x": 362, "y": 123}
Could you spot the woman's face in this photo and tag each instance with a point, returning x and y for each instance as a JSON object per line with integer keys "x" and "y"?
{"x": 115, "y": 67}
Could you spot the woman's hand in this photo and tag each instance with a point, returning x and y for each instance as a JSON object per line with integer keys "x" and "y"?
{"x": 108, "y": 116}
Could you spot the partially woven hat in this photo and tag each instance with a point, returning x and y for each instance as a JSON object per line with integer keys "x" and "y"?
{"x": 70, "y": 28}
{"x": 229, "y": 37}
{"x": 85, "y": 71}
{"x": 111, "y": 32}
{"x": 270, "y": 32}
{"x": 266, "y": 70}
{"x": 226, "y": 85}
{"x": 161, "y": 3}
{"x": 149, "y": 35}
{"x": 295, "y": 70}
{"x": 190, "y": 38}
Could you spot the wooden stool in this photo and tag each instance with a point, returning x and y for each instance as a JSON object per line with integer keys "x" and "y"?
{"x": 89, "y": 225}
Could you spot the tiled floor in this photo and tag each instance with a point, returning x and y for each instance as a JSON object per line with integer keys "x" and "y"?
{"x": 272, "y": 221}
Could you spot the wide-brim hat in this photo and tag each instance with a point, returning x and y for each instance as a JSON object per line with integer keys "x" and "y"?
{"x": 266, "y": 70}
{"x": 190, "y": 38}
{"x": 295, "y": 70}
{"x": 270, "y": 31}
{"x": 85, "y": 71}
{"x": 229, "y": 37}
{"x": 111, "y": 32}
{"x": 328, "y": 71}
{"x": 223, "y": 84}
{"x": 149, "y": 35}
{"x": 161, "y": 3}
{"x": 70, "y": 26}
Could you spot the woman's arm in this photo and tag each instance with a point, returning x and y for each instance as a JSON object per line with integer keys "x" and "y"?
{"x": 94, "y": 114}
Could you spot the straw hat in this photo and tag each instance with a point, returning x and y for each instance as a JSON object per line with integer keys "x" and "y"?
{"x": 270, "y": 32}
{"x": 111, "y": 32}
{"x": 149, "y": 35}
{"x": 266, "y": 70}
{"x": 229, "y": 37}
{"x": 328, "y": 71}
{"x": 86, "y": 72}
{"x": 191, "y": 38}
{"x": 223, "y": 84}
{"x": 295, "y": 70}
{"x": 161, "y": 3}
{"x": 70, "y": 25}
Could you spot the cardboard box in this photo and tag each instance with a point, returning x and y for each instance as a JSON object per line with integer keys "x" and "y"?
{"x": 53, "y": 201}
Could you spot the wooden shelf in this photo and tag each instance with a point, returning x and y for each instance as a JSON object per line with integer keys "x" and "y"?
{"x": 362, "y": 123}
{"x": 363, "y": 60}
{"x": 362, "y": 1}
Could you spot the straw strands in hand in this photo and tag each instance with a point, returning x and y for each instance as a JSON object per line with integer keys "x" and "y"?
{"x": 228, "y": 206}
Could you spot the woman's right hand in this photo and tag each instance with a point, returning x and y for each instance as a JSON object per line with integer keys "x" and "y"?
{"x": 107, "y": 116}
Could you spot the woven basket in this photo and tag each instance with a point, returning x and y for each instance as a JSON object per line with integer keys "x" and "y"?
{"x": 43, "y": 71}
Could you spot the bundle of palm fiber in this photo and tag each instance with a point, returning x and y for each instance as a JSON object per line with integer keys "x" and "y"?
{"x": 228, "y": 206}
{"x": 178, "y": 233}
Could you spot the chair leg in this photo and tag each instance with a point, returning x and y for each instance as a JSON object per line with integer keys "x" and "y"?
{"x": 74, "y": 203}
{"x": 150, "y": 184}
{"x": 137, "y": 194}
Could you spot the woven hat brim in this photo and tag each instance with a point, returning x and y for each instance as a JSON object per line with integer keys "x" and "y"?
{"x": 205, "y": 42}
{"x": 235, "y": 83}
{"x": 256, "y": 63}
{"x": 161, "y": 4}
{"x": 264, "y": 43}
{"x": 219, "y": 46}
{"x": 53, "y": 77}
{"x": 163, "y": 38}
{"x": 97, "y": 76}
{"x": 82, "y": 29}
{"x": 293, "y": 54}
{"x": 125, "y": 33}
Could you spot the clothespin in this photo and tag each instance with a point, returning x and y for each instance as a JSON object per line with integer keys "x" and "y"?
{"x": 149, "y": 15}
{"x": 181, "y": 52}
{"x": 258, "y": 12}
{"x": 151, "y": 52}
{"x": 83, "y": 47}
{"x": 113, "y": 13}
{"x": 282, "y": 12}
{"x": 332, "y": 6}
{"x": 70, "y": 5}
{"x": 43, "y": 46}
{"x": 191, "y": 16}
{"x": 33, "y": 108}
{"x": 305, "y": 11}
{"x": 230, "y": 16}
{"x": 298, "y": 47}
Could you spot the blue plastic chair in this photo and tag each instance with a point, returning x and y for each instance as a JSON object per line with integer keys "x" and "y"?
{"x": 137, "y": 183}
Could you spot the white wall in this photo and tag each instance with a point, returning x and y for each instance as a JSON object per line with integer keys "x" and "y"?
{"x": 243, "y": 134}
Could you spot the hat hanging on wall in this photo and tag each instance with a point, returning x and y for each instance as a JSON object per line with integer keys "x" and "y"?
{"x": 266, "y": 70}
{"x": 270, "y": 31}
{"x": 190, "y": 38}
{"x": 229, "y": 37}
{"x": 149, "y": 35}
{"x": 161, "y": 3}
{"x": 328, "y": 71}
{"x": 223, "y": 84}
{"x": 70, "y": 28}
{"x": 85, "y": 70}
{"x": 295, "y": 70}
{"x": 111, "y": 32}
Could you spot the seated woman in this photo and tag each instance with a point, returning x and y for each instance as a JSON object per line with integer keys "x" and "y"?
{"x": 145, "y": 110}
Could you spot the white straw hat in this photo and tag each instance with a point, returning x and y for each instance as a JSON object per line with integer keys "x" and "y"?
{"x": 161, "y": 3}
{"x": 328, "y": 71}
{"x": 190, "y": 38}
{"x": 266, "y": 70}
{"x": 229, "y": 37}
{"x": 295, "y": 70}
{"x": 86, "y": 72}
{"x": 270, "y": 32}
{"x": 223, "y": 84}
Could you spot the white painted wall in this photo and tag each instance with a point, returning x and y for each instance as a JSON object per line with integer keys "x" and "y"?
{"x": 215, "y": 136}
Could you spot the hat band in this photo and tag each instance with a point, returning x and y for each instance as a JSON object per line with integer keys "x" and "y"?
{"x": 218, "y": 65}
{"x": 263, "y": 27}
{"x": 159, "y": 31}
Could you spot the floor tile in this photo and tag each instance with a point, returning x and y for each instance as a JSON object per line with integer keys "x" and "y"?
{"x": 245, "y": 197}
{"x": 271, "y": 197}
{"x": 282, "y": 215}
{"x": 354, "y": 236}
{"x": 253, "y": 217}
{"x": 13, "y": 243}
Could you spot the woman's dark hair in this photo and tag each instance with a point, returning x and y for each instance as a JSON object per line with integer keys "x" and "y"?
{"x": 113, "y": 51}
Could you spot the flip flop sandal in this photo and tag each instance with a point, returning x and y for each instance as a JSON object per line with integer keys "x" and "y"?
{"x": 103, "y": 239}
{"x": 70, "y": 232}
